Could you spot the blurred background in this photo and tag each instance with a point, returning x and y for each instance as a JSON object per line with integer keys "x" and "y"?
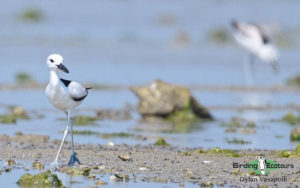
{"x": 115, "y": 44}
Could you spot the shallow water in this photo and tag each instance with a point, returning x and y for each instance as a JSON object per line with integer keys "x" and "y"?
{"x": 271, "y": 133}
{"x": 135, "y": 42}
{"x": 10, "y": 179}
{"x": 128, "y": 42}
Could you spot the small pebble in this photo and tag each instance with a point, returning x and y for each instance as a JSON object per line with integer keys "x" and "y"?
{"x": 113, "y": 178}
{"x": 118, "y": 177}
{"x": 7, "y": 169}
{"x": 142, "y": 168}
{"x": 100, "y": 182}
{"x": 92, "y": 176}
{"x": 101, "y": 167}
{"x": 37, "y": 165}
{"x": 124, "y": 157}
{"x": 10, "y": 162}
{"x": 110, "y": 144}
{"x": 19, "y": 111}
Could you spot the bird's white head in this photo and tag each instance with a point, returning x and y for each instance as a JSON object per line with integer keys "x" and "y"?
{"x": 54, "y": 63}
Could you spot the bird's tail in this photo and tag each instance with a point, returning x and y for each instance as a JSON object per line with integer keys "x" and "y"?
{"x": 87, "y": 88}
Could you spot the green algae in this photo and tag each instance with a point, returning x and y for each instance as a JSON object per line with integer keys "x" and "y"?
{"x": 295, "y": 136}
{"x": 187, "y": 153}
{"x": 79, "y": 171}
{"x": 207, "y": 184}
{"x": 185, "y": 114}
{"x": 294, "y": 81}
{"x": 24, "y": 78}
{"x": 263, "y": 186}
{"x": 32, "y": 15}
{"x": 294, "y": 153}
{"x": 239, "y": 125}
{"x": 84, "y": 120}
{"x": 298, "y": 148}
{"x": 251, "y": 124}
{"x": 285, "y": 154}
{"x": 192, "y": 112}
{"x": 45, "y": 179}
{"x": 223, "y": 152}
{"x": 237, "y": 141}
{"x": 117, "y": 135}
{"x": 234, "y": 123}
{"x": 231, "y": 130}
{"x": 291, "y": 119}
{"x": 219, "y": 36}
{"x": 17, "y": 112}
{"x": 85, "y": 132}
{"x": 236, "y": 172}
{"x": 38, "y": 165}
{"x": 184, "y": 120}
{"x": 161, "y": 142}
{"x": 8, "y": 119}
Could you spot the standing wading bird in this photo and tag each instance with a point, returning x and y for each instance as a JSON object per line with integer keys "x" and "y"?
{"x": 254, "y": 39}
{"x": 64, "y": 95}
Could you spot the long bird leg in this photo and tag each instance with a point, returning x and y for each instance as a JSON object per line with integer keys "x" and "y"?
{"x": 55, "y": 163}
{"x": 74, "y": 157}
{"x": 249, "y": 70}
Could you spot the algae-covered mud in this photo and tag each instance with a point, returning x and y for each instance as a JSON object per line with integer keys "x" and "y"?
{"x": 162, "y": 165}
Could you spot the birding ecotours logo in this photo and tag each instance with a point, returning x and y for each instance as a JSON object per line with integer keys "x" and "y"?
{"x": 262, "y": 166}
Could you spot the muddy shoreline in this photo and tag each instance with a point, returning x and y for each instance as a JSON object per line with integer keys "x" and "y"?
{"x": 154, "y": 163}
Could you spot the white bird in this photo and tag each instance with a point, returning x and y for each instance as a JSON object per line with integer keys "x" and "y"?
{"x": 262, "y": 164}
{"x": 254, "y": 39}
{"x": 64, "y": 95}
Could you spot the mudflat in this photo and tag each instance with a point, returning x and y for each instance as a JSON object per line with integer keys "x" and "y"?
{"x": 150, "y": 163}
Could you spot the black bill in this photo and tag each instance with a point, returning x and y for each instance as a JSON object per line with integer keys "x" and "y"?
{"x": 63, "y": 68}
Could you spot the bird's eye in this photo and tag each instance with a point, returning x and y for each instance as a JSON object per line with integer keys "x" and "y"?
{"x": 51, "y": 60}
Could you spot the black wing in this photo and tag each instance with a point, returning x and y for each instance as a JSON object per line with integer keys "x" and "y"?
{"x": 266, "y": 39}
{"x": 65, "y": 82}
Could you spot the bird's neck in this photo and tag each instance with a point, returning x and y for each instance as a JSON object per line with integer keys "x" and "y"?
{"x": 54, "y": 79}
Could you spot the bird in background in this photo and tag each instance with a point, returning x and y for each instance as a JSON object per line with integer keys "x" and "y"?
{"x": 256, "y": 40}
{"x": 64, "y": 95}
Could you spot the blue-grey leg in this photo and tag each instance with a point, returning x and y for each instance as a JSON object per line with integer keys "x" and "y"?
{"x": 55, "y": 163}
{"x": 249, "y": 70}
{"x": 74, "y": 157}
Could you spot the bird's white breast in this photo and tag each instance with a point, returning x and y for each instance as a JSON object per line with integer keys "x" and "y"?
{"x": 59, "y": 97}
